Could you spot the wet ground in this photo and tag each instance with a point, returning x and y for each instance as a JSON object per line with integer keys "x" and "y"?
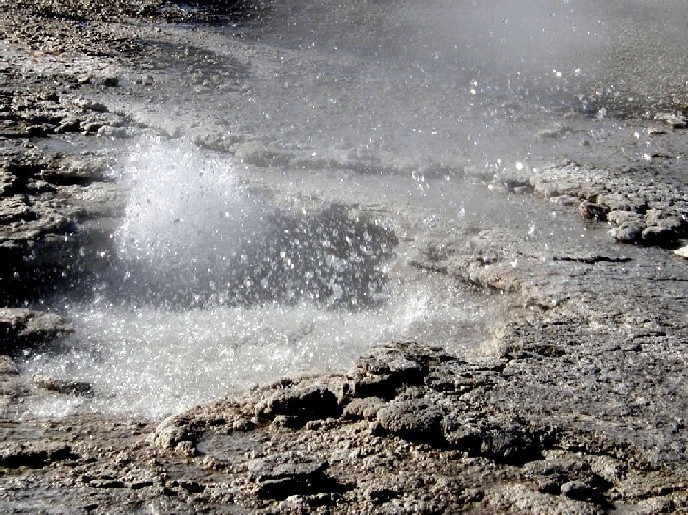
{"x": 309, "y": 156}
{"x": 281, "y": 193}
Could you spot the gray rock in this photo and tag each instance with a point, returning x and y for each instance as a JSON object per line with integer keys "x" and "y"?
{"x": 364, "y": 408}
{"x": 22, "y": 327}
{"x": 414, "y": 420}
{"x": 33, "y": 455}
{"x": 662, "y": 227}
{"x": 298, "y": 404}
{"x": 385, "y": 368}
{"x": 510, "y": 444}
{"x": 590, "y": 211}
{"x": 622, "y": 202}
{"x": 627, "y": 233}
{"x": 629, "y": 225}
{"x": 621, "y": 217}
{"x": 285, "y": 474}
{"x": 173, "y": 432}
{"x": 89, "y": 105}
{"x": 578, "y": 490}
{"x": 15, "y": 209}
{"x": 461, "y": 432}
{"x": 571, "y": 476}
{"x": 63, "y": 386}
{"x": 112, "y": 132}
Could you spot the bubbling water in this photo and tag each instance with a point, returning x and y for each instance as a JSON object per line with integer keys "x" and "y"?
{"x": 209, "y": 289}
{"x": 151, "y": 362}
{"x": 193, "y": 235}
{"x": 185, "y": 215}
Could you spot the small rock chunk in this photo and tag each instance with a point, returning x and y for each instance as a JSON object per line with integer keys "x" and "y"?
{"x": 414, "y": 420}
{"x": 285, "y": 474}
{"x": 385, "y": 368}
{"x": 64, "y": 386}
{"x": 299, "y": 405}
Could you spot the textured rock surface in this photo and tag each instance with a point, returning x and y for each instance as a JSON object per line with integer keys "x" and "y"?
{"x": 639, "y": 211}
{"x": 41, "y": 190}
{"x": 579, "y": 409}
{"x": 21, "y": 328}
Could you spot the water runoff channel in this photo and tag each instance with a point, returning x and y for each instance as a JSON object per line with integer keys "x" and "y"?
{"x": 298, "y": 163}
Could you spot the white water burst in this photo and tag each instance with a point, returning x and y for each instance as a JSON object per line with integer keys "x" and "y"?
{"x": 185, "y": 212}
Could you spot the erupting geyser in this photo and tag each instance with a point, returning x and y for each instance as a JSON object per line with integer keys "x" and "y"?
{"x": 187, "y": 219}
{"x": 342, "y": 136}
{"x": 209, "y": 289}
{"x": 193, "y": 235}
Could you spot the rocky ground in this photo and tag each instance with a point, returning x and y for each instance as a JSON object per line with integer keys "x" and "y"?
{"x": 580, "y": 408}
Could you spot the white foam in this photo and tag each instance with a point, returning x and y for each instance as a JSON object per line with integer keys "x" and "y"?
{"x": 151, "y": 362}
{"x": 147, "y": 357}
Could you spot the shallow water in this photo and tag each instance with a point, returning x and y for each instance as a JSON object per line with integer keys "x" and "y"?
{"x": 151, "y": 361}
{"x": 308, "y": 157}
{"x": 211, "y": 286}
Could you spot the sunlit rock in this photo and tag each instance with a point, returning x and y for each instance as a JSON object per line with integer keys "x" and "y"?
{"x": 682, "y": 252}
{"x": 63, "y": 386}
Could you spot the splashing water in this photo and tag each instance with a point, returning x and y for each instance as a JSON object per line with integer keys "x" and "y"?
{"x": 152, "y": 362}
{"x": 210, "y": 290}
{"x": 184, "y": 215}
{"x": 193, "y": 235}
{"x": 211, "y": 285}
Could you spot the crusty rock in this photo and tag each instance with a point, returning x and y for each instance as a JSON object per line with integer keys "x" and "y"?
{"x": 22, "y": 327}
{"x": 62, "y": 385}
{"x": 662, "y": 228}
{"x": 33, "y": 456}
{"x": 173, "y": 432}
{"x": 415, "y": 420}
{"x": 384, "y": 368}
{"x": 511, "y": 444}
{"x": 625, "y": 202}
{"x": 628, "y": 225}
{"x": 461, "y": 431}
{"x": 591, "y": 211}
{"x": 281, "y": 475}
{"x": 364, "y": 408}
{"x": 298, "y": 404}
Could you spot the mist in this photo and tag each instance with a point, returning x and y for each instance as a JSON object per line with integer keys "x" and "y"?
{"x": 311, "y": 157}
